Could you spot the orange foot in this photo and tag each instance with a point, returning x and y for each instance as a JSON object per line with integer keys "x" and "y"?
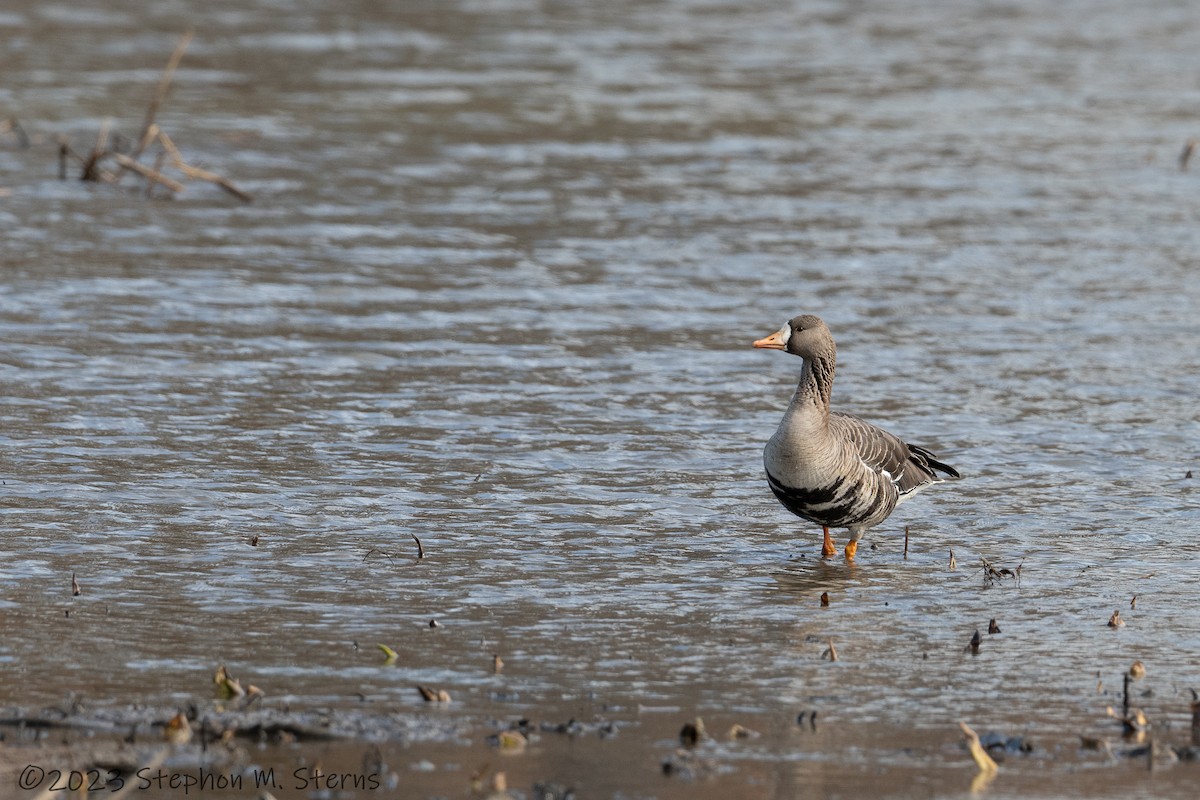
{"x": 851, "y": 549}
{"x": 827, "y": 549}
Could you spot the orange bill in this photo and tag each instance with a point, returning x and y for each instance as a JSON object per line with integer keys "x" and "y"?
{"x": 773, "y": 342}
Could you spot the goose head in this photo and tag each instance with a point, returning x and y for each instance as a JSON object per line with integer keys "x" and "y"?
{"x": 805, "y": 336}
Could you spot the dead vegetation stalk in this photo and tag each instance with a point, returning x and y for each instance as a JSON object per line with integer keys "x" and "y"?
{"x": 107, "y": 149}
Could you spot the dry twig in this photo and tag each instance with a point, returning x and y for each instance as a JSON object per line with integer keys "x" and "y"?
{"x": 151, "y": 174}
{"x": 164, "y": 84}
{"x": 152, "y": 132}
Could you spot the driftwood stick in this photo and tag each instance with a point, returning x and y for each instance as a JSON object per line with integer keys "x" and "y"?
{"x": 102, "y": 135}
{"x": 164, "y": 84}
{"x": 142, "y": 169}
{"x": 149, "y": 129}
{"x": 148, "y": 135}
{"x": 196, "y": 172}
{"x": 91, "y": 167}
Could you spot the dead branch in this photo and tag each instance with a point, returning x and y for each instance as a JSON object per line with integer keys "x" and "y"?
{"x": 142, "y": 169}
{"x": 164, "y": 84}
{"x": 152, "y": 132}
{"x": 196, "y": 172}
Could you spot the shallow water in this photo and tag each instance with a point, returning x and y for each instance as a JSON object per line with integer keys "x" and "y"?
{"x": 497, "y": 291}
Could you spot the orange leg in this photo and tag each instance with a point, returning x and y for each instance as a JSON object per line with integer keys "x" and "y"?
{"x": 827, "y": 549}
{"x": 851, "y": 549}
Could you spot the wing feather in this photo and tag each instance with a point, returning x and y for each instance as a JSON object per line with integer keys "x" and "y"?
{"x": 910, "y": 467}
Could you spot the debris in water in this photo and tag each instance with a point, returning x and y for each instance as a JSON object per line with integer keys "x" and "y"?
{"x": 1188, "y": 147}
{"x": 1101, "y": 745}
{"x": 420, "y": 547}
{"x": 687, "y": 764}
{"x": 476, "y": 779}
{"x": 228, "y": 686}
{"x": 692, "y": 732}
{"x": 1189, "y": 474}
{"x": 552, "y": 791}
{"x": 431, "y": 695}
{"x": 997, "y": 743}
{"x": 497, "y": 663}
{"x": 433, "y": 623}
{"x": 737, "y": 731}
{"x": 389, "y": 654}
{"x": 252, "y": 693}
{"x": 993, "y": 575}
{"x": 75, "y": 590}
{"x": 178, "y": 730}
{"x": 93, "y": 164}
{"x": 973, "y": 645}
{"x": 1133, "y": 602}
{"x": 906, "y": 543}
{"x": 824, "y": 599}
{"x": 1134, "y": 725}
{"x": 953, "y": 563}
{"x": 982, "y": 760}
{"x": 830, "y": 652}
{"x": 992, "y": 626}
{"x": 254, "y": 540}
{"x": 509, "y": 741}
{"x": 1115, "y": 620}
{"x": 1137, "y": 670}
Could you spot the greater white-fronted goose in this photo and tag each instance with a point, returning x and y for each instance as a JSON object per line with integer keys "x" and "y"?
{"x": 831, "y": 468}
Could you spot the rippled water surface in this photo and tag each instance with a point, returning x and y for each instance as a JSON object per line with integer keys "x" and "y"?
{"x": 496, "y": 291}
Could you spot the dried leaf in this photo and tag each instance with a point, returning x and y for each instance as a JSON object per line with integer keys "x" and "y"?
{"x": 737, "y": 731}
{"x": 511, "y": 741}
{"x": 982, "y": 760}
{"x": 432, "y": 695}
{"x": 228, "y": 686}
{"x": 178, "y": 730}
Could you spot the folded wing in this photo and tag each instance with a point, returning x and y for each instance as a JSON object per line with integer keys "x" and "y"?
{"x": 911, "y": 468}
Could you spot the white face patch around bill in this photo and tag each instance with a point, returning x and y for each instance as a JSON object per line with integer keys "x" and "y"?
{"x": 785, "y": 333}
